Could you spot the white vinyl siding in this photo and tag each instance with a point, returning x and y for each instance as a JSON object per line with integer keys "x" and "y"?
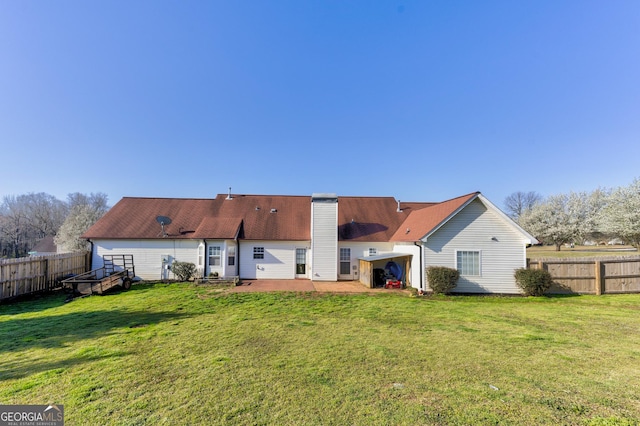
{"x": 476, "y": 228}
{"x": 278, "y": 262}
{"x": 324, "y": 240}
{"x": 147, "y": 254}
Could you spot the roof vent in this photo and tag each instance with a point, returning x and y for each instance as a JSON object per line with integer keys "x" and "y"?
{"x": 399, "y": 210}
{"x": 229, "y": 197}
{"x": 274, "y": 210}
{"x": 257, "y": 207}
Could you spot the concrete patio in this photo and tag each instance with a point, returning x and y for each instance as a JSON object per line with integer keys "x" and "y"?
{"x": 302, "y": 285}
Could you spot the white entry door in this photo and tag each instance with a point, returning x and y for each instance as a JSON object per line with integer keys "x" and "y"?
{"x": 301, "y": 263}
{"x": 344, "y": 271}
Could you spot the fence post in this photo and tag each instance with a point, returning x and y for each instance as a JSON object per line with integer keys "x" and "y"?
{"x": 47, "y": 284}
{"x": 598, "y": 275}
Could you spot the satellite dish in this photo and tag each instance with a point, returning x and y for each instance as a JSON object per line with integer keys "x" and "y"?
{"x": 163, "y": 220}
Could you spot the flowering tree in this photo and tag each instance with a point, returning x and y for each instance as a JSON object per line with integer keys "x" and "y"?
{"x": 550, "y": 221}
{"x": 85, "y": 211}
{"x": 621, "y": 215}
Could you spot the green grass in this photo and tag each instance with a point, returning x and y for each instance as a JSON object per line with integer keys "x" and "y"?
{"x": 179, "y": 354}
{"x": 536, "y": 252}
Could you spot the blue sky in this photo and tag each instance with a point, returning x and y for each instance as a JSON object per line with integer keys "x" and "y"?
{"x": 420, "y": 100}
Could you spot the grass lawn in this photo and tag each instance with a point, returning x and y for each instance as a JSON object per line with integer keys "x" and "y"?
{"x": 180, "y": 354}
{"x": 535, "y": 252}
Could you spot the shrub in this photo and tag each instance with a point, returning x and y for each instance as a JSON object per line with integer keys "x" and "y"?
{"x": 183, "y": 270}
{"x": 533, "y": 282}
{"x": 442, "y": 279}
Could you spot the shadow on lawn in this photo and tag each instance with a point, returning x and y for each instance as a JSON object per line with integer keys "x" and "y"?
{"x": 56, "y": 331}
{"x": 18, "y": 369}
{"x": 32, "y": 303}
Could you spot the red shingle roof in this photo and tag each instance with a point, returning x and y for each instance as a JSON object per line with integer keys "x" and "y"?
{"x": 135, "y": 218}
{"x": 269, "y": 217}
{"x": 422, "y": 222}
{"x": 372, "y": 219}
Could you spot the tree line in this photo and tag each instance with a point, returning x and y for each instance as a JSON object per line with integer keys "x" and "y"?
{"x": 598, "y": 216}
{"x": 27, "y": 219}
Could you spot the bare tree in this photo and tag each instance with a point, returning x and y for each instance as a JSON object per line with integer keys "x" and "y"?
{"x": 518, "y": 202}
{"x": 13, "y": 225}
{"x": 26, "y": 219}
{"x": 45, "y": 213}
{"x": 97, "y": 201}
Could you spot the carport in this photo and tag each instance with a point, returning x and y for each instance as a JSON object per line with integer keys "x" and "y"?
{"x": 369, "y": 265}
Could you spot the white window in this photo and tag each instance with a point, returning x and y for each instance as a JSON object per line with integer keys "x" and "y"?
{"x": 468, "y": 262}
{"x": 373, "y": 251}
{"x": 200, "y": 255}
{"x": 231, "y": 256}
{"x": 258, "y": 252}
{"x": 345, "y": 261}
{"x": 214, "y": 255}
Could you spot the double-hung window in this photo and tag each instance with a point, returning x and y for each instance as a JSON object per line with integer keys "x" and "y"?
{"x": 214, "y": 256}
{"x": 258, "y": 252}
{"x": 468, "y": 263}
{"x": 231, "y": 256}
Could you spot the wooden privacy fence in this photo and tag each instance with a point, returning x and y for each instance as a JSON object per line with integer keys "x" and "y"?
{"x": 592, "y": 275}
{"x": 27, "y": 275}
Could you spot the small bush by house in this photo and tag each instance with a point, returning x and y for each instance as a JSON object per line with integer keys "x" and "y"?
{"x": 442, "y": 279}
{"x": 533, "y": 282}
{"x": 184, "y": 271}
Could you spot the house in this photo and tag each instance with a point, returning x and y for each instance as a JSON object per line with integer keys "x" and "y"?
{"x": 46, "y": 246}
{"x": 320, "y": 237}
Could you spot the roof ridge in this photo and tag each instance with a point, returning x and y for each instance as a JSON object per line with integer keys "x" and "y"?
{"x": 168, "y": 198}
{"x": 461, "y": 196}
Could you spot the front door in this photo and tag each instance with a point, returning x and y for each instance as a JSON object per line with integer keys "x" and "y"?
{"x": 301, "y": 263}
{"x": 345, "y": 264}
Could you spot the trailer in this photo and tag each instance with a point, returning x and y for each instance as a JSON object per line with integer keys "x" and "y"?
{"x": 118, "y": 270}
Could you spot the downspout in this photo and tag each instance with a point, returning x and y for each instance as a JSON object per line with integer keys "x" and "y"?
{"x": 204, "y": 259}
{"x": 90, "y": 257}
{"x": 420, "y": 246}
{"x": 238, "y": 256}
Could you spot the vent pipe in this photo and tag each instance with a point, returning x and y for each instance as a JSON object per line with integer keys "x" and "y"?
{"x": 229, "y": 197}
{"x": 399, "y": 209}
